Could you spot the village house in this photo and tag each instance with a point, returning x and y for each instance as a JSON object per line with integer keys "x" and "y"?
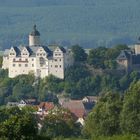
{"x": 77, "y": 108}
{"x": 22, "y": 103}
{"x": 44, "y": 107}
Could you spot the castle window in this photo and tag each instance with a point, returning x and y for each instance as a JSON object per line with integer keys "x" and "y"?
{"x": 26, "y": 59}
{"x": 44, "y": 54}
{"x": 19, "y": 65}
{"x": 26, "y": 65}
{"x": 60, "y": 59}
{"x": 32, "y": 65}
{"x": 56, "y": 66}
{"x": 42, "y": 61}
{"x": 20, "y": 59}
{"x": 55, "y": 59}
{"x": 32, "y": 59}
{"x": 14, "y": 65}
{"x": 120, "y": 60}
{"x": 60, "y": 66}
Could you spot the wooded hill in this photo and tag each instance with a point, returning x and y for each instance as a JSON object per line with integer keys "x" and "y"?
{"x": 88, "y": 23}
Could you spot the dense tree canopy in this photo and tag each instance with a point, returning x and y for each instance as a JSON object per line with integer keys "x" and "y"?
{"x": 104, "y": 119}
{"x": 59, "y": 122}
{"x": 130, "y": 116}
{"x": 79, "y": 53}
{"x": 17, "y": 125}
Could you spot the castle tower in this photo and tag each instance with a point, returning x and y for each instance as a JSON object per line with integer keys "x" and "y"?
{"x": 34, "y": 37}
{"x": 137, "y": 47}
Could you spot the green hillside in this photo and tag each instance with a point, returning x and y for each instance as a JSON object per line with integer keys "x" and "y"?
{"x": 87, "y": 22}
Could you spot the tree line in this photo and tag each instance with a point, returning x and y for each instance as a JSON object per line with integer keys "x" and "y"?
{"x": 114, "y": 117}
{"x": 80, "y": 79}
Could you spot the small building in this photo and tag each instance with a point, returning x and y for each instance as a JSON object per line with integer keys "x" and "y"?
{"x": 76, "y": 107}
{"x": 90, "y": 99}
{"x": 44, "y": 107}
{"x": 22, "y": 103}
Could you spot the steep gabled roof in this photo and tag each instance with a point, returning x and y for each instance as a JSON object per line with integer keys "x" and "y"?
{"x": 59, "y": 47}
{"x": 124, "y": 55}
{"x": 76, "y": 107}
{"x": 17, "y": 50}
{"x": 47, "y": 105}
{"x": 33, "y": 49}
{"x": 47, "y": 50}
{"x": 62, "y": 49}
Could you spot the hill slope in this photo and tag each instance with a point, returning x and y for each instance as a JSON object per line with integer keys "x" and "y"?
{"x": 87, "y": 22}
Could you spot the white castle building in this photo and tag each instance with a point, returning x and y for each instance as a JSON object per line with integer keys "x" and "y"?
{"x": 37, "y": 59}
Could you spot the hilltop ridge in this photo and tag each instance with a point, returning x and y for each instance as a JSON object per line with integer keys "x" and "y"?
{"x": 88, "y": 23}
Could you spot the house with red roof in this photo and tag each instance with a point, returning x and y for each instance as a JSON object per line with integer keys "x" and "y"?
{"x": 77, "y": 108}
{"x": 44, "y": 107}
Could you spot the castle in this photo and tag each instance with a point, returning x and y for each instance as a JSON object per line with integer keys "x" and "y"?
{"x": 37, "y": 58}
{"x": 129, "y": 59}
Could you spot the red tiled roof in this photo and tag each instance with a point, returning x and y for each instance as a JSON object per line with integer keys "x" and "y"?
{"x": 76, "y": 107}
{"x": 46, "y": 105}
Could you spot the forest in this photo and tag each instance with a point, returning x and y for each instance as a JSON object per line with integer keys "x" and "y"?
{"x": 88, "y": 23}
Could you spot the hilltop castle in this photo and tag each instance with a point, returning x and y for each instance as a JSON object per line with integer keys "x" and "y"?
{"x": 37, "y": 58}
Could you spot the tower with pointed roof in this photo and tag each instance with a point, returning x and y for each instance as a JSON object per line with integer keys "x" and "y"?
{"x": 34, "y": 37}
